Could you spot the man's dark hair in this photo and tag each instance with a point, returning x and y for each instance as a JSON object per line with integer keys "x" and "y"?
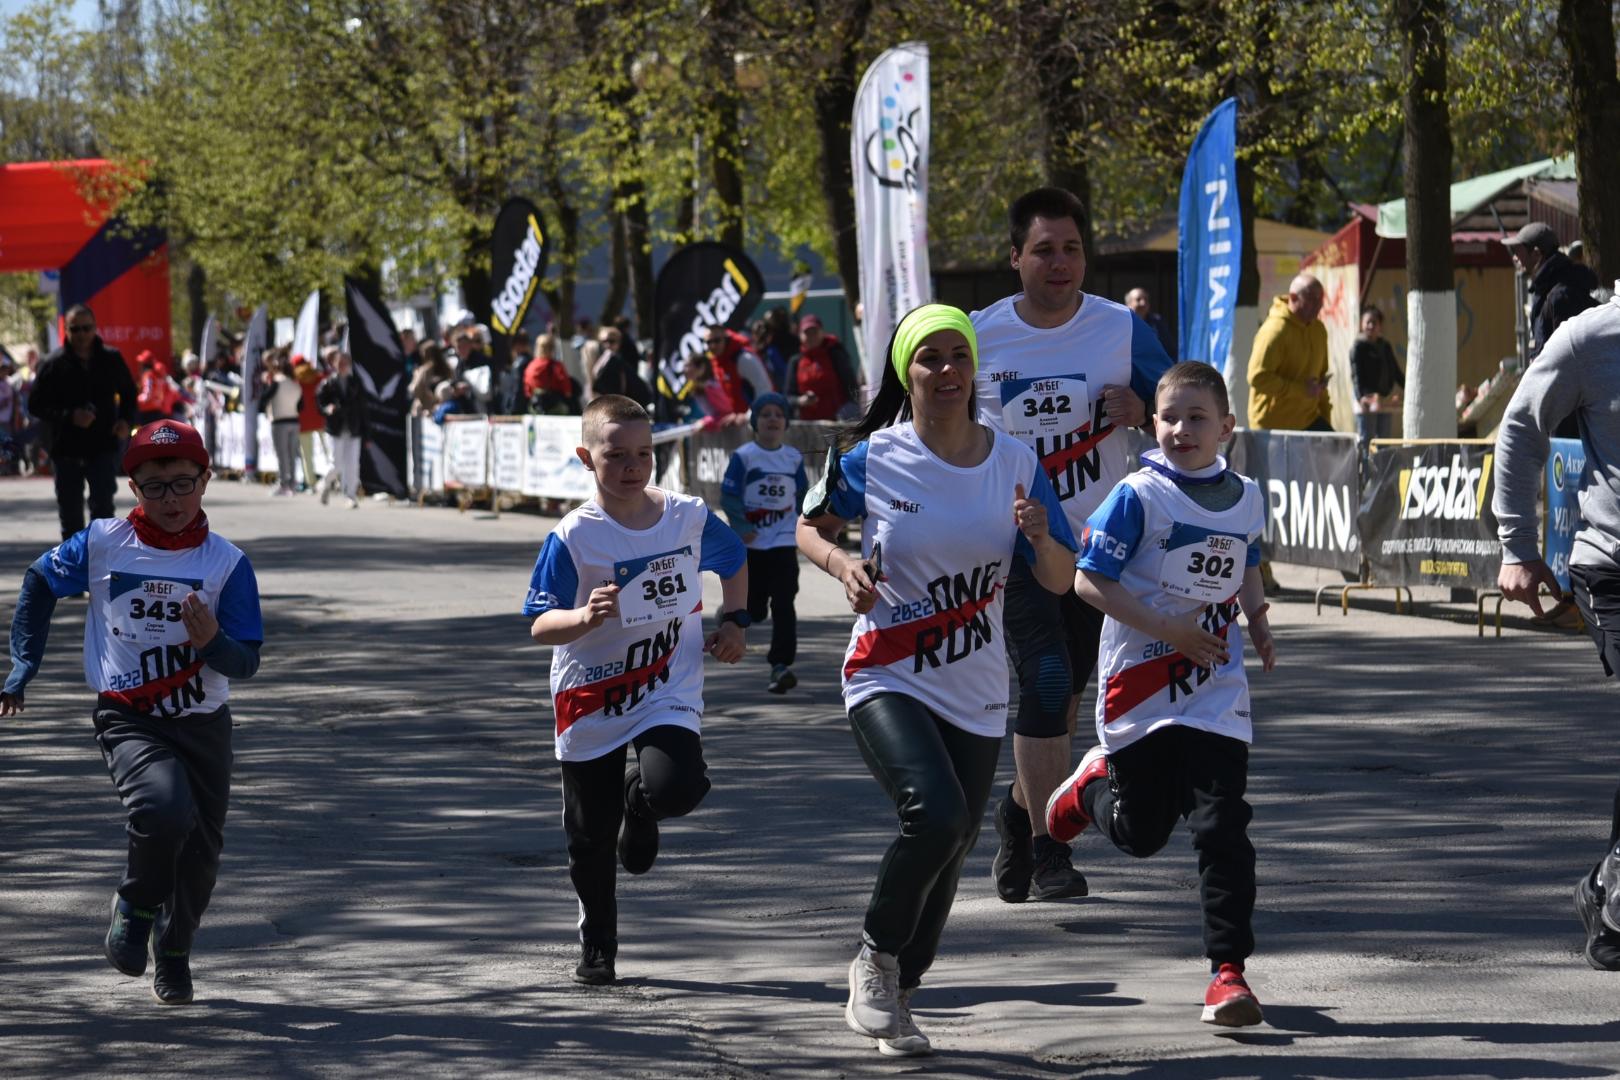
{"x": 78, "y": 309}
{"x": 1198, "y": 374}
{"x": 1046, "y": 202}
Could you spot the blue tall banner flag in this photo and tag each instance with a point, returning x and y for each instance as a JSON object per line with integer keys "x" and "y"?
{"x": 1211, "y": 242}
{"x": 1566, "y": 462}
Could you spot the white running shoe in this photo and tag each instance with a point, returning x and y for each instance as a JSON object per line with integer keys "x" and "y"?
{"x": 910, "y": 1042}
{"x": 874, "y": 994}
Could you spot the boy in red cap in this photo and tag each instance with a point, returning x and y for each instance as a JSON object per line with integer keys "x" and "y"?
{"x": 174, "y": 615}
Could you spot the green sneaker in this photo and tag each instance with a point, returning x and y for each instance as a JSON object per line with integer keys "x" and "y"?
{"x": 128, "y": 936}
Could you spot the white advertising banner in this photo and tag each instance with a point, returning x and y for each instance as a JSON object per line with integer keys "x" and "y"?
{"x": 889, "y": 153}
{"x": 466, "y": 451}
{"x": 551, "y": 469}
{"x": 508, "y": 446}
{"x": 306, "y": 335}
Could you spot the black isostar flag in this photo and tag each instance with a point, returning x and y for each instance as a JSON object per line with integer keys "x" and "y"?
{"x": 518, "y": 262}
{"x": 379, "y": 362}
{"x": 702, "y": 285}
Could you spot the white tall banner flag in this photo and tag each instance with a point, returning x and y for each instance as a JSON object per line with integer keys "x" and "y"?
{"x": 306, "y": 340}
{"x": 889, "y": 151}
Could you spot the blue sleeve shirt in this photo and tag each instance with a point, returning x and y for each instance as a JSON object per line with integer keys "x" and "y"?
{"x": 1148, "y": 361}
{"x": 1113, "y": 532}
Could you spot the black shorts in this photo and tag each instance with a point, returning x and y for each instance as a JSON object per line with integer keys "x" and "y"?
{"x": 1053, "y": 641}
{"x": 1597, "y": 594}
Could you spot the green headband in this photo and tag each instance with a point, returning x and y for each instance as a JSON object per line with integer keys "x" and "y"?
{"x": 921, "y": 322}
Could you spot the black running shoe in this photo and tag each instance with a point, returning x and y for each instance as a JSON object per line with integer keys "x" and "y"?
{"x": 1014, "y": 862}
{"x": 782, "y": 679}
{"x": 638, "y": 842}
{"x": 171, "y": 978}
{"x": 1055, "y": 877}
{"x": 128, "y": 935}
{"x": 1602, "y": 944}
{"x": 596, "y": 965}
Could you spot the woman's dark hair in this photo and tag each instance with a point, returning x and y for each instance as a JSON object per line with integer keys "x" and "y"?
{"x": 432, "y": 354}
{"x": 1374, "y": 310}
{"x": 891, "y": 404}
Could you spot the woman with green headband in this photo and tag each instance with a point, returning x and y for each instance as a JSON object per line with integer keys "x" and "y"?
{"x": 944, "y": 503}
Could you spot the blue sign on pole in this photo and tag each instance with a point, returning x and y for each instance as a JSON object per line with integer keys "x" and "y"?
{"x": 1211, "y": 240}
{"x": 1566, "y": 461}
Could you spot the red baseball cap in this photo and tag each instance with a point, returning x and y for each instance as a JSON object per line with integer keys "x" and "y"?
{"x": 808, "y": 321}
{"x": 165, "y": 439}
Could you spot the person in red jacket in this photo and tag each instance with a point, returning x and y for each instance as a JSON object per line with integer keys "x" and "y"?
{"x": 311, "y": 424}
{"x": 158, "y": 396}
{"x": 821, "y": 379}
{"x": 546, "y": 382}
{"x": 735, "y": 368}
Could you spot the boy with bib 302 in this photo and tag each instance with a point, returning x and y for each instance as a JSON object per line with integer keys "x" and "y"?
{"x": 1170, "y": 558}
{"x": 173, "y": 618}
{"x": 616, "y": 590}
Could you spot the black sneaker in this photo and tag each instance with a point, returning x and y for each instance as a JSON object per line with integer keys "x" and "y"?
{"x": 638, "y": 836}
{"x": 1602, "y": 944}
{"x": 171, "y": 978}
{"x": 1055, "y": 877}
{"x": 128, "y": 935}
{"x": 1014, "y": 862}
{"x": 596, "y": 965}
{"x": 782, "y": 679}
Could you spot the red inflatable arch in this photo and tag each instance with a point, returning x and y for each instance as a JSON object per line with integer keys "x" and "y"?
{"x": 48, "y": 223}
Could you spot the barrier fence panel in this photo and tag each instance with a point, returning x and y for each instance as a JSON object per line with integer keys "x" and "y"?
{"x": 508, "y": 452}
{"x": 709, "y": 452}
{"x": 466, "y": 452}
{"x": 1310, "y": 482}
{"x": 1566, "y": 461}
{"x": 551, "y": 468}
{"x": 1426, "y": 514}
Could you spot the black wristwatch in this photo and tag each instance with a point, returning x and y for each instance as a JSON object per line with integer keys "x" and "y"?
{"x": 740, "y": 617}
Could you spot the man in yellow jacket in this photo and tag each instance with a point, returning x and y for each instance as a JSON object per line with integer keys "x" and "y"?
{"x": 1288, "y": 370}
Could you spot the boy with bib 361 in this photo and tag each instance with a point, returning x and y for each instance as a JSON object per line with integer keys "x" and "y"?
{"x": 173, "y": 617}
{"x": 616, "y": 590}
{"x": 1170, "y": 558}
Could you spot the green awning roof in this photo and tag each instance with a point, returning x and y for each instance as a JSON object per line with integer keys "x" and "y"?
{"x": 1470, "y": 196}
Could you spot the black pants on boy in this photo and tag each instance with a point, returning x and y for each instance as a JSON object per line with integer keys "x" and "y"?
{"x": 174, "y": 777}
{"x": 100, "y": 471}
{"x": 1597, "y": 595}
{"x": 939, "y": 777}
{"x": 1181, "y": 772}
{"x": 773, "y": 576}
{"x": 668, "y": 780}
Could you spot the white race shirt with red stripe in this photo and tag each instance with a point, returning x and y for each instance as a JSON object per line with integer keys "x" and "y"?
{"x": 137, "y": 650}
{"x": 1044, "y": 387}
{"x": 1181, "y": 559}
{"x": 646, "y": 667}
{"x": 947, "y": 539}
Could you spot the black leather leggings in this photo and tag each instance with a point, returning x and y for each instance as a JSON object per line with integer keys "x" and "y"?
{"x": 939, "y": 777}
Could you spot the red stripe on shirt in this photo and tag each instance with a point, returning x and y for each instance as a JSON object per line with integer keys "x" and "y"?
{"x": 885, "y": 645}
{"x": 1129, "y": 688}
{"x": 580, "y": 701}
{"x": 1059, "y": 460}
{"x": 143, "y": 699}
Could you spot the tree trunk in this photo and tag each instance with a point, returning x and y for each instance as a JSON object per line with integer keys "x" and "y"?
{"x": 1063, "y": 107}
{"x": 567, "y": 263}
{"x": 1431, "y": 363}
{"x": 476, "y": 294}
{"x": 725, "y": 140}
{"x": 834, "y": 107}
{"x": 1587, "y": 30}
{"x": 638, "y": 249}
{"x": 618, "y": 273}
{"x": 197, "y": 304}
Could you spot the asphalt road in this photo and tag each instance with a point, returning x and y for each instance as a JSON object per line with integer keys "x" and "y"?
{"x": 394, "y": 898}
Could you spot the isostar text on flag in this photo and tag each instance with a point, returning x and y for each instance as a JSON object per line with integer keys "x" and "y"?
{"x": 702, "y": 285}
{"x": 518, "y": 253}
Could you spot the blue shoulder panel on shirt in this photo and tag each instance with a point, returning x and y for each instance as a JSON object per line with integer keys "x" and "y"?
{"x": 555, "y": 581}
{"x": 1148, "y": 361}
{"x": 848, "y": 495}
{"x": 1112, "y": 533}
{"x": 732, "y": 483}
{"x": 239, "y": 614}
{"x": 722, "y": 551}
{"x": 66, "y": 567}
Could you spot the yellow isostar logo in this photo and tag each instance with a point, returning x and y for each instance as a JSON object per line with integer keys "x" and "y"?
{"x": 1446, "y": 492}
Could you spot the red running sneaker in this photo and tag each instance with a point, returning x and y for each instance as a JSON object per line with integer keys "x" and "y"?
{"x": 1229, "y": 1002}
{"x": 1066, "y": 816}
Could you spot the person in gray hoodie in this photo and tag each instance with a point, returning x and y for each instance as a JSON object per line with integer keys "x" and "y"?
{"x": 1577, "y": 374}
